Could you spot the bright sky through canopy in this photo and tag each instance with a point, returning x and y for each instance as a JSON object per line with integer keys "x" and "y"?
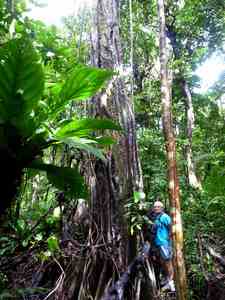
{"x": 210, "y": 71}
{"x": 52, "y": 13}
{"x": 54, "y": 10}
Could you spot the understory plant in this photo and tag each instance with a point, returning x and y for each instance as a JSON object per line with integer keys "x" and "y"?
{"x": 30, "y": 111}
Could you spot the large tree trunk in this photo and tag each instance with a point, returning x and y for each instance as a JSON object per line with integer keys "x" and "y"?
{"x": 112, "y": 183}
{"x": 177, "y": 231}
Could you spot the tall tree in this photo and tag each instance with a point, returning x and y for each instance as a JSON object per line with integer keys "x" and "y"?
{"x": 177, "y": 231}
{"x": 113, "y": 182}
{"x": 189, "y": 110}
{"x": 190, "y": 28}
{"x": 190, "y": 116}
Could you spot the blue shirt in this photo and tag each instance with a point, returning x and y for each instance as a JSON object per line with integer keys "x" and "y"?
{"x": 162, "y": 236}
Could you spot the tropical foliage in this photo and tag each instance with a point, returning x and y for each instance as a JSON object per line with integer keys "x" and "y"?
{"x": 26, "y": 113}
{"x": 49, "y": 144}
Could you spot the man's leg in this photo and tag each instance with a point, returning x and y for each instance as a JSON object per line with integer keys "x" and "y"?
{"x": 168, "y": 268}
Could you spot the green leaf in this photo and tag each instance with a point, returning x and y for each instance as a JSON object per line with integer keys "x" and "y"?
{"x": 132, "y": 230}
{"x": 39, "y": 236}
{"x": 138, "y": 196}
{"x": 53, "y": 244}
{"x": 105, "y": 140}
{"x": 63, "y": 178}
{"x": 85, "y": 126}
{"x": 84, "y": 144}
{"x": 81, "y": 84}
{"x": 133, "y": 219}
{"x": 84, "y": 82}
{"x": 21, "y": 80}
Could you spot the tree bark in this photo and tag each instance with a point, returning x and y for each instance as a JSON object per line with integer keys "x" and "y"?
{"x": 192, "y": 178}
{"x": 193, "y": 181}
{"x": 177, "y": 231}
{"x": 113, "y": 183}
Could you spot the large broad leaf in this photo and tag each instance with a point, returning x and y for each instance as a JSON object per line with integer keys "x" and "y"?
{"x": 21, "y": 85}
{"x": 81, "y": 84}
{"x": 63, "y": 178}
{"x": 84, "y": 127}
{"x": 84, "y": 82}
{"x": 105, "y": 140}
{"x": 21, "y": 80}
{"x": 84, "y": 144}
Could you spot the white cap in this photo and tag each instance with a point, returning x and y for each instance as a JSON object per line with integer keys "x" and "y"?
{"x": 158, "y": 203}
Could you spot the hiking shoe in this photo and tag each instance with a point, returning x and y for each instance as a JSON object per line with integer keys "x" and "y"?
{"x": 169, "y": 286}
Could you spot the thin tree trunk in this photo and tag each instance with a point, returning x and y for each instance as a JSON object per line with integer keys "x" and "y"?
{"x": 177, "y": 231}
{"x": 192, "y": 178}
{"x": 191, "y": 172}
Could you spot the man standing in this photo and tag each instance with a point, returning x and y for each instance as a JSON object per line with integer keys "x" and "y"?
{"x": 160, "y": 238}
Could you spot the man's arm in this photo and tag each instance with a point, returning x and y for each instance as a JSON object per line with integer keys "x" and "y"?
{"x": 167, "y": 221}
